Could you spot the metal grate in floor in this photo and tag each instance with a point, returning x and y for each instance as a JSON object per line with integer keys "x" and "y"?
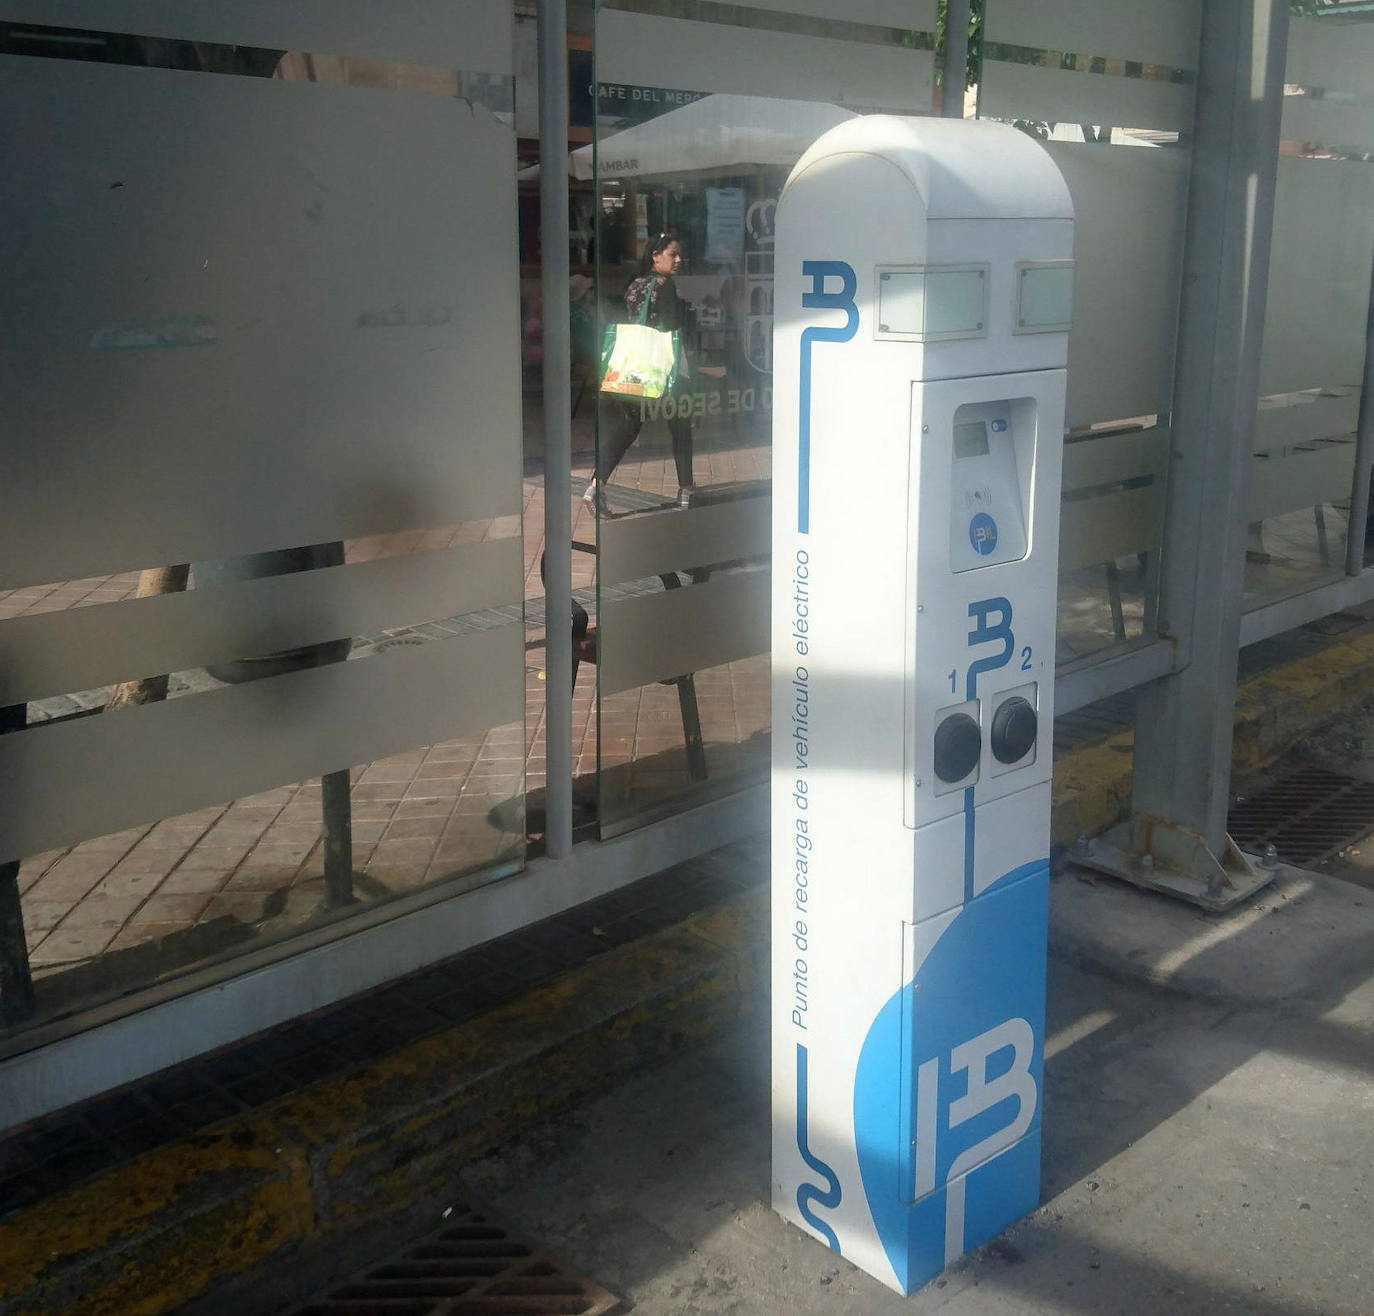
{"x": 472, "y": 1267}
{"x": 1307, "y": 817}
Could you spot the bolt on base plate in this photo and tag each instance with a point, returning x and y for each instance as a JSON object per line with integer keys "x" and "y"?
{"x": 1176, "y": 862}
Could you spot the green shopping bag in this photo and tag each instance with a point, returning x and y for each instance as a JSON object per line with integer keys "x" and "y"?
{"x": 637, "y": 361}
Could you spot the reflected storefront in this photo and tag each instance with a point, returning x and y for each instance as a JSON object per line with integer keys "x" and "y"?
{"x": 686, "y": 648}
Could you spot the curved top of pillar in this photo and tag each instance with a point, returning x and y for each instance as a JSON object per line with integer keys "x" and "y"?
{"x": 961, "y": 168}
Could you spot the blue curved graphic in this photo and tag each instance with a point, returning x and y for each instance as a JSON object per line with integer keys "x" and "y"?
{"x": 988, "y": 966}
{"x": 819, "y": 299}
{"x": 807, "y": 1193}
{"x": 985, "y": 630}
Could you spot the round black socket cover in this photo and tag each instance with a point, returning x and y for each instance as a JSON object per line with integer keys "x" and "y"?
{"x": 958, "y": 744}
{"x": 1014, "y": 727}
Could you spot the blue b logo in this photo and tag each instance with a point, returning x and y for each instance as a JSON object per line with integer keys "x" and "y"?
{"x": 982, "y": 533}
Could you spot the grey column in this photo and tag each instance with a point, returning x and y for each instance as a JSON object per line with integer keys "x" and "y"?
{"x": 553, "y": 228}
{"x": 1184, "y": 721}
{"x": 956, "y": 58}
{"x": 1364, "y": 453}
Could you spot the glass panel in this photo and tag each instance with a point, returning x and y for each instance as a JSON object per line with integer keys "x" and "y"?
{"x": 1109, "y": 89}
{"x": 134, "y": 907}
{"x": 934, "y": 303}
{"x": 1045, "y": 297}
{"x": 697, "y": 126}
{"x": 1316, "y": 314}
{"x": 261, "y": 629}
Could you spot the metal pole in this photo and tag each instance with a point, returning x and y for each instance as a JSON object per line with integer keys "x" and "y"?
{"x": 553, "y": 227}
{"x": 1184, "y": 721}
{"x": 337, "y": 812}
{"x": 956, "y": 58}
{"x": 1364, "y": 453}
{"x": 16, "y": 979}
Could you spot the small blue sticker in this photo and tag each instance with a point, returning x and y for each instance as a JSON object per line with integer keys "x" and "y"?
{"x": 982, "y": 534}
{"x": 999, "y": 426}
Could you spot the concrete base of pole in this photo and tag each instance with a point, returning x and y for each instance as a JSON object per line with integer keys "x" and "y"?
{"x": 1163, "y": 857}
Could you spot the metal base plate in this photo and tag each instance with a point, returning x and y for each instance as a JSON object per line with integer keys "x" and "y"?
{"x": 1175, "y": 862}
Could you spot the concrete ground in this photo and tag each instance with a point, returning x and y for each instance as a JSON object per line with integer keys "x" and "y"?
{"x": 1209, "y": 1143}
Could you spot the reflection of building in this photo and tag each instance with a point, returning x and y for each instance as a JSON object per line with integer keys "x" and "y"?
{"x": 758, "y": 271}
{"x": 710, "y": 172}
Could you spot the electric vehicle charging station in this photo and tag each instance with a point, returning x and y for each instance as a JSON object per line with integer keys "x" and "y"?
{"x": 923, "y": 294}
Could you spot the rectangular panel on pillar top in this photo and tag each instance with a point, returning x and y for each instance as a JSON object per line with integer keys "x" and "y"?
{"x": 924, "y": 293}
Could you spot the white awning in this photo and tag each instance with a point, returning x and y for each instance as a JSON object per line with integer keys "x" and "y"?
{"x": 711, "y": 135}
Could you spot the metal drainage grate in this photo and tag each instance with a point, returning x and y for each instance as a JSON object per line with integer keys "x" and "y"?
{"x": 471, "y": 1267}
{"x": 1307, "y": 817}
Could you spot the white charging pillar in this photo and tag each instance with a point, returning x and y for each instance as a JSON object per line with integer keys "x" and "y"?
{"x": 923, "y": 290}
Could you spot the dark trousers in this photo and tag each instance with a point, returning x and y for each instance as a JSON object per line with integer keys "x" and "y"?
{"x": 620, "y": 426}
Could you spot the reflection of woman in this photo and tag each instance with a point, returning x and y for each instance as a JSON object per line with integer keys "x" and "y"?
{"x": 622, "y": 420}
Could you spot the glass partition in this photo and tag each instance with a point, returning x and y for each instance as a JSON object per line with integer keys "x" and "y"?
{"x": 1314, "y": 330}
{"x": 1109, "y": 89}
{"x": 698, "y": 122}
{"x": 261, "y": 662}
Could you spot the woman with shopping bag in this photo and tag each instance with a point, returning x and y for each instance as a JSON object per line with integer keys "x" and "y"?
{"x": 645, "y": 364}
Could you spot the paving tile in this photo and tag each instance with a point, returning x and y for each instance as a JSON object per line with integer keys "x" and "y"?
{"x": 183, "y": 908}
{"x": 215, "y": 858}
{"x": 425, "y": 825}
{"x": 279, "y": 797}
{"x": 408, "y": 850}
{"x": 136, "y": 884}
{"x": 198, "y": 818}
{"x": 451, "y": 754}
{"x": 44, "y": 915}
{"x": 155, "y": 863}
{"x": 62, "y": 884}
{"x": 79, "y": 866}
{"x": 291, "y": 834}
{"x": 77, "y": 944}
{"x": 261, "y": 877}
{"x": 441, "y": 768}
{"x": 424, "y": 808}
{"x": 434, "y": 788}
{"x": 192, "y": 881}
{"x": 389, "y": 772}
{"x": 118, "y": 843}
{"x": 245, "y": 906}
{"x": 282, "y": 855}
{"x": 409, "y": 759}
{"x": 163, "y": 837}
{"x": 246, "y": 814}
{"x": 230, "y": 831}
{"x": 373, "y": 810}
{"x": 98, "y": 909}
{"x": 380, "y": 790}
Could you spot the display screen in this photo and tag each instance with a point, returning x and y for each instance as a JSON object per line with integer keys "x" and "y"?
{"x": 971, "y": 440}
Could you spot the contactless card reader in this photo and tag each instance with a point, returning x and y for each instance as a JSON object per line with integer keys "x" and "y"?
{"x": 991, "y": 490}
{"x": 923, "y": 293}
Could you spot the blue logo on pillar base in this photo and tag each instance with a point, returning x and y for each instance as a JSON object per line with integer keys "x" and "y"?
{"x": 947, "y": 1091}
